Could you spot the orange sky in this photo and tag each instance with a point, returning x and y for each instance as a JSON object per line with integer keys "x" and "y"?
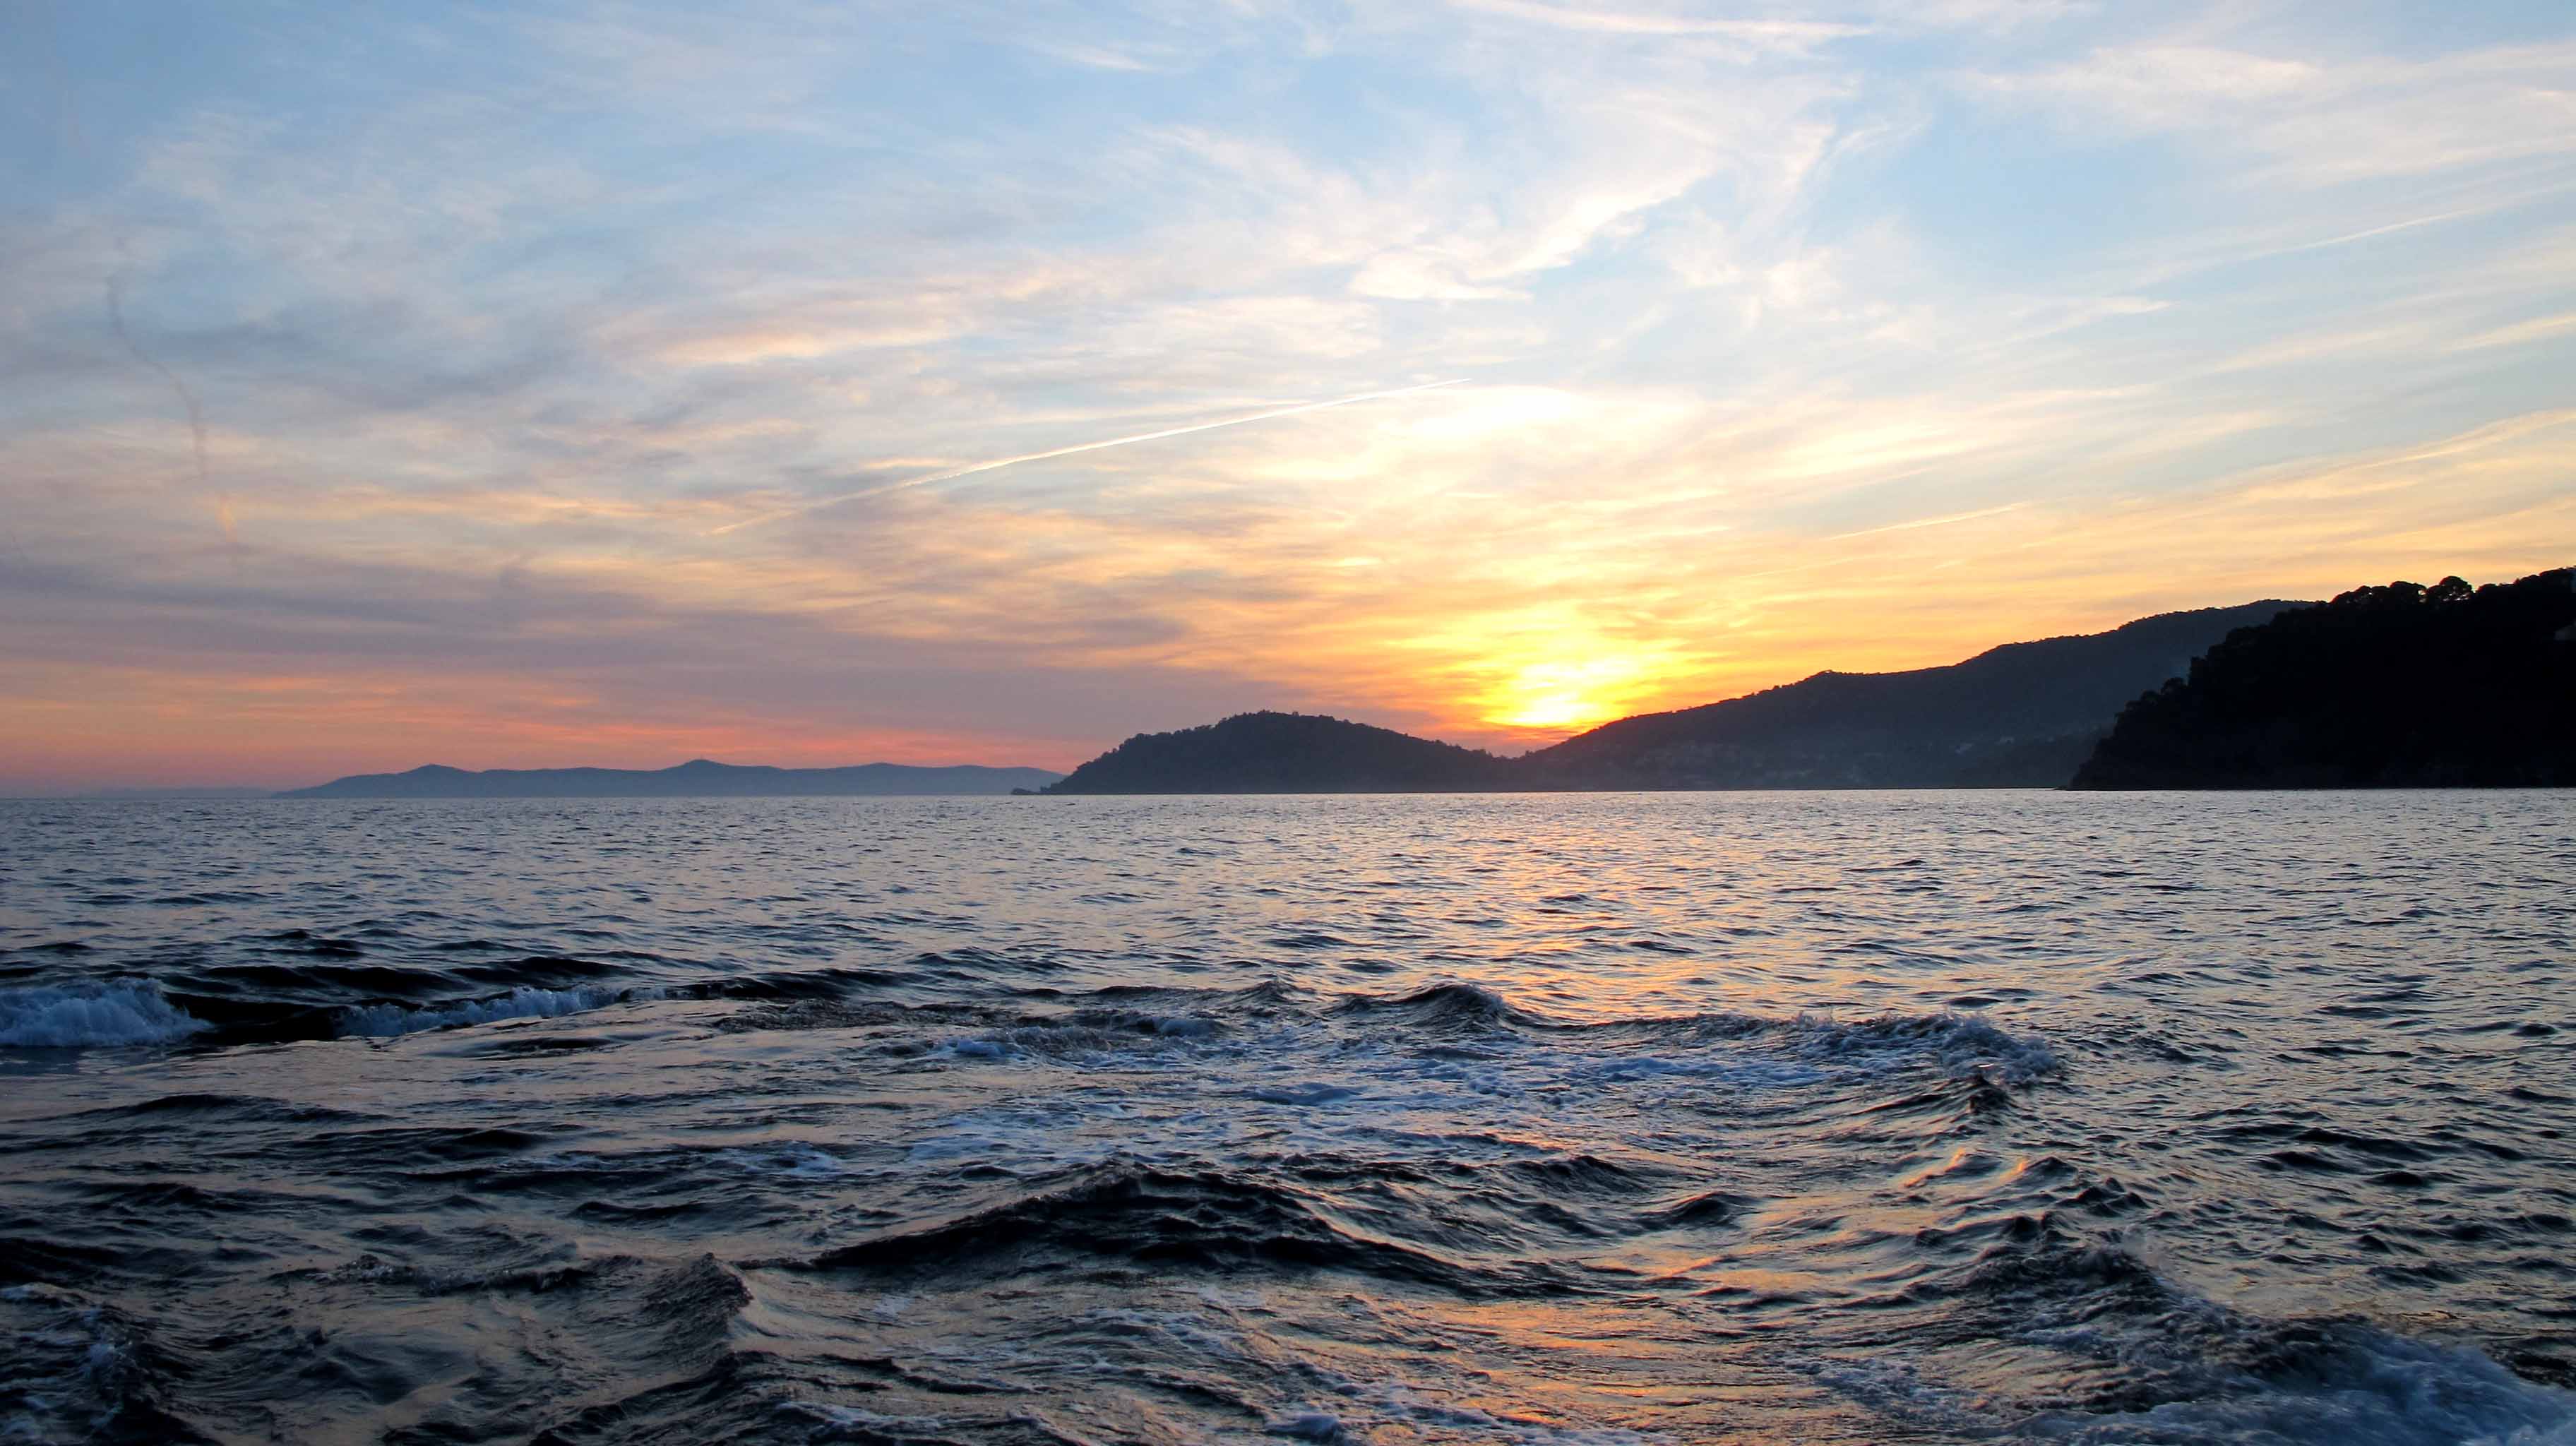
{"x": 1502, "y": 635}
{"x": 852, "y": 386}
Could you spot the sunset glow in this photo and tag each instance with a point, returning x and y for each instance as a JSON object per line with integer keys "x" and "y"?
{"x": 618, "y": 385}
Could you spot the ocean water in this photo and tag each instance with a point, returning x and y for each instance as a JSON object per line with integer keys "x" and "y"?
{"x": 1533, "y": 1119}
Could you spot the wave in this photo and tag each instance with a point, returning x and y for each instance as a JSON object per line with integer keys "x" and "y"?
{"x": 1964, "y": 1045}
{"x": 2348, "y": 1383}
{"x": 1087, "y": 1032}
{"x": 2150, "y": 1361}
{"x": 76, "y": 1016}
{"x": 382, "y": 1021}
{"x": 1449, "y": 1006}
{"x": 277, "y": 1001}
{"x": 1159, "y": 1218}
{"x": 81, "y": 1370}
{"x": 799, "y": 985}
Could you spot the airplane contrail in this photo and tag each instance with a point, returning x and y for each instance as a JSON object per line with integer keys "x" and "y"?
{"x": 954, "y": 473}
{"x": 187, "y": 399}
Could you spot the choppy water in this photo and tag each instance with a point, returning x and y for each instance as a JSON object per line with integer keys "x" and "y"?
{"x": 1751, "y": 1117}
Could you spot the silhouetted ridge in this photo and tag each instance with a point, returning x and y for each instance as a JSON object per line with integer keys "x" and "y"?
{"x": 2021, "y": 715}
{"x": 2396, "y": 686}
{"x": 2024, "y": 714}
{"x": 1285, "y": 753}
{"x": 697, "y": 778}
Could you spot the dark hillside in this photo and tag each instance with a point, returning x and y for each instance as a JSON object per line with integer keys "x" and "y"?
{"x": 1285, "y": 753}
{"x": 2396, "y": 686}
{"x": 2022, "y": 714}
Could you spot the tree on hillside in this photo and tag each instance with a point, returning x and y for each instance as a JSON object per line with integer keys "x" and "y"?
{"x": 2392, "y": 686}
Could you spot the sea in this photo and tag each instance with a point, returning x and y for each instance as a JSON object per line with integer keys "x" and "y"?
{"x": 1591, "y": 1118}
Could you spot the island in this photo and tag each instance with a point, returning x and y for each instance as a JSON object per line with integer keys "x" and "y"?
{"x": 1287, "y": 753}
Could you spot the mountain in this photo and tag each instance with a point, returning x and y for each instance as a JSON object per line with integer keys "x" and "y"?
{"x": 1286, "y": 753}
{"x": 2396, "y": 686}
{"x": 696, "y": 779}
{"x": 2024, "y": 714}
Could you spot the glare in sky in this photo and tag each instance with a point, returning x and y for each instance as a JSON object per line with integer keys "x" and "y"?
{"x": 397, "y": 385}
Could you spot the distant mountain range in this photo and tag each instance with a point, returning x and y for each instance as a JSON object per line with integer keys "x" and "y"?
{"x": 699, "y": 778}
{"x": 2025, "y": 714}
{"x": 177, "y": 793}
{"x": 2384, "y": 687}
{"x": 2021, "y": 715}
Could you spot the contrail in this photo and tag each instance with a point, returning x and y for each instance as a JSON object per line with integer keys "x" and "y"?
{"x": 1929, "y": 522}
{"x": 188, "y": 399}
{"x": 76, "y": 141}
{"x": 954, "y": 473}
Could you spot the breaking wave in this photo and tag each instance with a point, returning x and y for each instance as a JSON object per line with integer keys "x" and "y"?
{"x": 85, "y": 1015}
{"x": 383, "y": 1021}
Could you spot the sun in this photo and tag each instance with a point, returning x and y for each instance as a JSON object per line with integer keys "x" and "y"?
{"x": 1553, "y": 710}
{"x": 1563, "y": 694}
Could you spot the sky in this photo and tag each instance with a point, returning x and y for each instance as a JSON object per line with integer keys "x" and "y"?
{"x": 608, "y": 383}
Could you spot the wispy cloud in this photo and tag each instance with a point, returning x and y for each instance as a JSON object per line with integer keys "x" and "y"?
{"x": 1798, "y": 336}
{"x": 1791, "y": 35}
{"x": 1076, "y": 449}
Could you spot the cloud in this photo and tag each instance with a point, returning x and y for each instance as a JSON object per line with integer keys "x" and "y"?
{"x": 2318, "y": 119}
{"x": 1077, "y": 448}
{"x": 1794, "y": 36}
{"x": 1791, "y": 338}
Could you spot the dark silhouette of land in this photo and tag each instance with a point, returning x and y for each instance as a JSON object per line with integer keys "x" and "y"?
{"x": 1286, "y": 753}
{"x": 699, "y": 778}
{"x": 2385, "y": 686}
{"x": 2021, "y": 715}
{"x": 2025, "y": 714}
{"x": 177, "y": 793}
{"x": 2396, "y": 686}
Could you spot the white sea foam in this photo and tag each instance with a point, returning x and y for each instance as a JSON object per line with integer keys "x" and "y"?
{"x": 379, "y": 1021}
{"x": 1961, "y": 1042}
{"x": 2385, "y": 1391}
{"x": 1351, "y": 1407}
{"x": 792, "y": 1162}
{"x": 72, "y": 1016}
{"x": 1308, "y": 1093}
{"x": 66, "y": 1369}
{"x": 1409, "y": 1406}
{"x": 850, "y": 1423}
{"x": 2379, "y": 1390}
{"x": 1043, "y": 1134}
